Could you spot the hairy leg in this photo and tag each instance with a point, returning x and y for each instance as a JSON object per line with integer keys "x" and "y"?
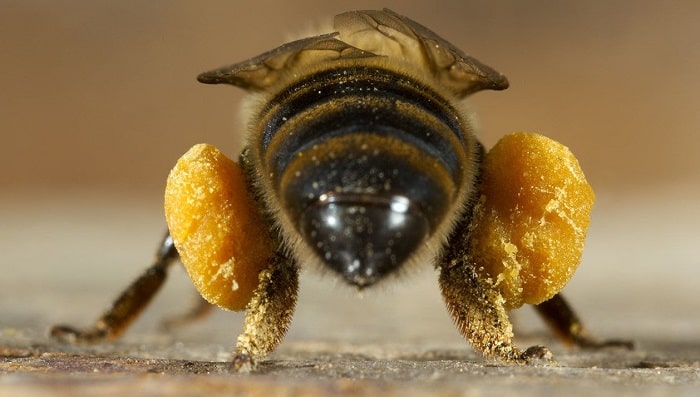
{"x": 480, "y": 317}
{"x": 268, "y": 314}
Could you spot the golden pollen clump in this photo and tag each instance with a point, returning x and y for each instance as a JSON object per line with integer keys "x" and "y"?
{"x": 530, "y": 223}
{"x": 216, "y": 227}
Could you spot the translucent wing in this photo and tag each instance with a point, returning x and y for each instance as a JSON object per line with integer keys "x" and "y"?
{"x": 390, "y": 34}
{"x": 264, "y": 70}
{"x": 366, "y": 34}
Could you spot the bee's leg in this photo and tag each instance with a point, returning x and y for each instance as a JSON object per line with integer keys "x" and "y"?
{"x": 564, "y": 322}
{"x": 476, "y": 307}
{"x": 128, "y": 305}
{"x": 268, "y": 314}
{"x": 478, "y": 313}
{"x": 200, "y": 309}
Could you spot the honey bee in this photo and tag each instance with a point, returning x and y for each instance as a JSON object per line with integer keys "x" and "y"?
{"x": 359, "y": 160}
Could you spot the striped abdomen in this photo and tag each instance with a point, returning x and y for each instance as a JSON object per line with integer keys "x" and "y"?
{"x": 367, "y": 167}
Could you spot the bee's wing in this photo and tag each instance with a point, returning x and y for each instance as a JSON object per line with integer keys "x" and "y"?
{"x": 264, "y": 70}
{"x": 390, "y": 34}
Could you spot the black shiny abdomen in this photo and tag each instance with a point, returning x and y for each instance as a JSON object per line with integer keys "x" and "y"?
{"x": 366, "y": 164}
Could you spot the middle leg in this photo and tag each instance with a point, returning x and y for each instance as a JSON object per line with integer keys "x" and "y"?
{"x": 127, "y": 307}
{"x": 564, "y": 322}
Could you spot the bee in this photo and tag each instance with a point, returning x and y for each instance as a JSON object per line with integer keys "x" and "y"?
{"x": 359, "y": 160}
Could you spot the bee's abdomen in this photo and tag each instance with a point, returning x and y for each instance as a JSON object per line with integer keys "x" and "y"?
{"x": 366, "y": 164}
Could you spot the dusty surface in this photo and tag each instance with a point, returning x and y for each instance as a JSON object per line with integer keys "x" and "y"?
{"x": 336, "y": 368}
{"x": 99, "y": 100}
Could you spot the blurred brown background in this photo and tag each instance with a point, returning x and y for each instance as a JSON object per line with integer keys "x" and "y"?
{"x": 102, "y": 94}
{"x": 99, "y": 99}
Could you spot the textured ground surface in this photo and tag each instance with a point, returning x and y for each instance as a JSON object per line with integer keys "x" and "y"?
{"x": 328, "y": 369}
